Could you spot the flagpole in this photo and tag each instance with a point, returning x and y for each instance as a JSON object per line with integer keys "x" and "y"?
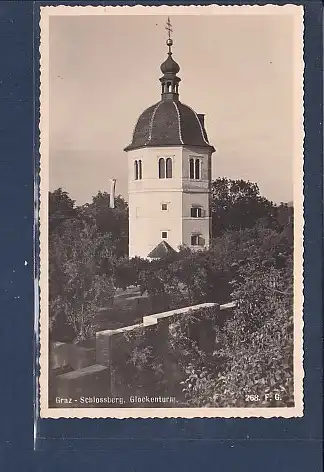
{"x": 112, "y": 193}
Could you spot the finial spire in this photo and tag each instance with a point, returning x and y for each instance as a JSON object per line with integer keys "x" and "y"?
{"x": 169, "y": 68}
{"x": 169, "y": 29}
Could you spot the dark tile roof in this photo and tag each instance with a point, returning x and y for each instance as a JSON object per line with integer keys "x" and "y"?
{"x": 169, "y": 123}
{"x": 162, "y": 250}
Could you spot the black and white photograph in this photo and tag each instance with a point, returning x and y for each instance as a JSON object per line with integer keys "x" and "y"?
{"x": 171, "y": 211}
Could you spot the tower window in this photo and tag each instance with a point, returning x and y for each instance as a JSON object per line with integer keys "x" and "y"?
{"x": 165, "y": 168}
{"x": 197, "y": 169}
{"x": 164, "y": 234}
{"x": 196, "y": 240}
{"x": 169, "y": 168}
{"x": 194, "y": 168}
{"x": 196, "y": 212}
{"x": 164, "y": 206}
{"x": 161, "y": 168}
{"x": 138, "y": 170}
{"x": 191, "y": 168}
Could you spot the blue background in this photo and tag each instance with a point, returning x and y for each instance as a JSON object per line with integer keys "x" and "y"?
{"x": 135, "y": 445}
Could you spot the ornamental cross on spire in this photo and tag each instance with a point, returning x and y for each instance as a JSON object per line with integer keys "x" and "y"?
{"x": 168, "y": 27}
{"x": 169, "y": 41}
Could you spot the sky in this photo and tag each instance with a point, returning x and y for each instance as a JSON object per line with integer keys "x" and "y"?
{"x": 237, "y": 69}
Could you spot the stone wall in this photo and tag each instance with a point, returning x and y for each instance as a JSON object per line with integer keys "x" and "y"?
{"x": 71, "y": 355}
{"x": 134, "y": 360}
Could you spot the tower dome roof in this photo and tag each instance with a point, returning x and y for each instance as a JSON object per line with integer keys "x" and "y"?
{"x": 169, "y": 123}
{"x": 170, "y": 66}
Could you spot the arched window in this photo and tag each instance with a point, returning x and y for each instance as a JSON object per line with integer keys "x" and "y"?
{"x": 169, "y": 168}
{"x": 136, "y": 170}
{"x": 197, "y": 169}
{"x": 140, "y": 170}
{"x": 194, "y": 168}
{"x": 191, "y": 169}
{"x": 161, "y": 168}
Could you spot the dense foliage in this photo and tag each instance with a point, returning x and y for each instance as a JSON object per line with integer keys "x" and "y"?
{"x": 251, "y": 361}
{"x": 76, "y": 290}
{"x": 237, "y": 205}
{"x": 231, "y": 358}
{"x": 81, "y": 241}
{"x": 223, "y": 360}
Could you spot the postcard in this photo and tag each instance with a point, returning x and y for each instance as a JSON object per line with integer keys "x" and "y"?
{"x": 171, "y": 211}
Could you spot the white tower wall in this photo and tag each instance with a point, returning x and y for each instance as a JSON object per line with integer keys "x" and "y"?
{"x": 196, "y": 193}
{"x": 147, "y": 219}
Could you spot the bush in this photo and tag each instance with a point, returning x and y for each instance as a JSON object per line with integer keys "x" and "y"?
{"x": 254, "y": 348}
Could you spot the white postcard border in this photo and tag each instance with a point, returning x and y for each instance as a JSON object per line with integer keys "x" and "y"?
{"x": 123, "y": 413}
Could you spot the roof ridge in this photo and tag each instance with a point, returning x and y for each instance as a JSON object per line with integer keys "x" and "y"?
{"x": 151, "y": 122}
{"x": 200, "y": 125}
{"x": 169, "y": 123}
{"x": 179, "y": 121}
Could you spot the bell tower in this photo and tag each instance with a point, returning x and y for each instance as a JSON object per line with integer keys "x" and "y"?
{"x": 169, "y": 173}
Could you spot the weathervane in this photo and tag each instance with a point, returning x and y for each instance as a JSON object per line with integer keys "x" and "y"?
{"x": 169, "y": 29}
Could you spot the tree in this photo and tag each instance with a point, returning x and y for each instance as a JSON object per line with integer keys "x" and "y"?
{"x": 126, "y": 271}
{"x": 76, "y": 286}
{"x": 253, "y": 348}
{"x": 61, "y": 208}
{"x": 285, "y": 219}
{"x": 237, "y": 204}
{"x": 257, "y": 343}
{"x": 109, "y": 221}
{"x": 85, "y": 244}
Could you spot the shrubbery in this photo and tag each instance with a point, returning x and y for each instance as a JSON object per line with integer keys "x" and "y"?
{"x": 253, "y": 349}
{"x": 237, "y": 357}
{"x": 240, "y": 357}
{"x": 222, "y": 360}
